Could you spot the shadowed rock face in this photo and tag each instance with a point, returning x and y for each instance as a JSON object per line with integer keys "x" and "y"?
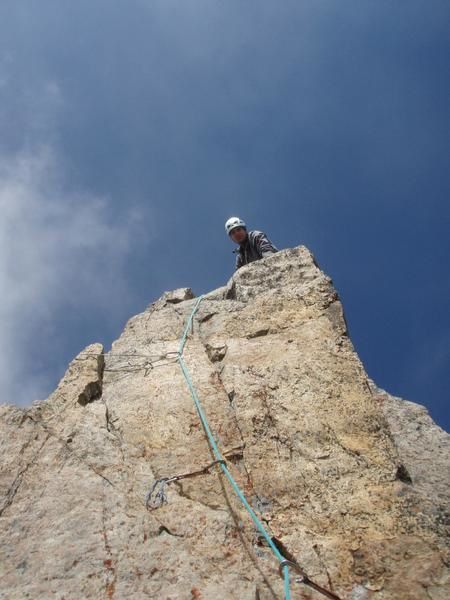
{"x": 353, "y": 483}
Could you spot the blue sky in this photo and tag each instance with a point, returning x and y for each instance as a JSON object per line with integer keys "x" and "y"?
{"x": 130, "y": 131}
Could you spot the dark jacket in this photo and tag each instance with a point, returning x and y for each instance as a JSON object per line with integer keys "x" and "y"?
{"x": 257, "y": 245}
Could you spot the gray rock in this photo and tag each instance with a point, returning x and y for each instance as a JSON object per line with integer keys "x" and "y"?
{"x": 177, "y": 296}
{"x": 349, "y": 481}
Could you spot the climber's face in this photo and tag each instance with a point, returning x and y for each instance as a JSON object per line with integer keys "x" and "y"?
{"x": 238, "y": 235}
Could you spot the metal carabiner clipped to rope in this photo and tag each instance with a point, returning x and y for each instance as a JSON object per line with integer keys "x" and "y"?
{"x": 305, "y": 579}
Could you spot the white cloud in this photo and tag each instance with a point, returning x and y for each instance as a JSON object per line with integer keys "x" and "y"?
{"x": 60, "y": 252}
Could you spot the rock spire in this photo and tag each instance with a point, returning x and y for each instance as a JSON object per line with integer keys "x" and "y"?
{"x": 350, "y": 482}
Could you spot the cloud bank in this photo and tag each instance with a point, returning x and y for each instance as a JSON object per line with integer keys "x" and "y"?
{"x": 61, "y": 256}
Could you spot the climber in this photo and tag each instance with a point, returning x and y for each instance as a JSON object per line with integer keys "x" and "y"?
{"x": 253, "y": 245}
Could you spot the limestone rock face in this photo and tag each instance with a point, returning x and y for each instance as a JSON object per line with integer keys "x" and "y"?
{"x": 351, "y": 483}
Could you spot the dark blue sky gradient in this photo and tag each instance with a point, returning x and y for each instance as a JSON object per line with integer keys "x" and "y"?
{"x": 323, "y": 123}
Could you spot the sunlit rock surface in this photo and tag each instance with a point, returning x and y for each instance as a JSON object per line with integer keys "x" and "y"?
{"x": 351, "y": 482}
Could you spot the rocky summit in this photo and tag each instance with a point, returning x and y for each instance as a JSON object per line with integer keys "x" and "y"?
{"x": 109, "y": 488}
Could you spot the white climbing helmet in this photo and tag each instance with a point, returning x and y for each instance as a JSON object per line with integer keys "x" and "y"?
{"x": 232, "y": 223}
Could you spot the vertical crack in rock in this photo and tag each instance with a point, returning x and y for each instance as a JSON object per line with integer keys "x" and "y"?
{"x": 14, "y": 487}
{"x": 217, "y": 354}
{"x": 238, "y": 457}
{"x": 66, "y": 443}
{"x": 108, "y": 562}
{"x": 111, "y": 428}
{"x": 323, "y": 564}
{"x": 267, "y": 425}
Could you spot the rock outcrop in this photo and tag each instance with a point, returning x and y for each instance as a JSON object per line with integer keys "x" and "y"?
{"x": 350, "y": 482}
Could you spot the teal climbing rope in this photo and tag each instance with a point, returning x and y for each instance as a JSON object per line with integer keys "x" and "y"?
{"x": 218, "y": 456}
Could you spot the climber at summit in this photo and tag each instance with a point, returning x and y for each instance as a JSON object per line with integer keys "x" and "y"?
{"x": 253, "y": 245}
